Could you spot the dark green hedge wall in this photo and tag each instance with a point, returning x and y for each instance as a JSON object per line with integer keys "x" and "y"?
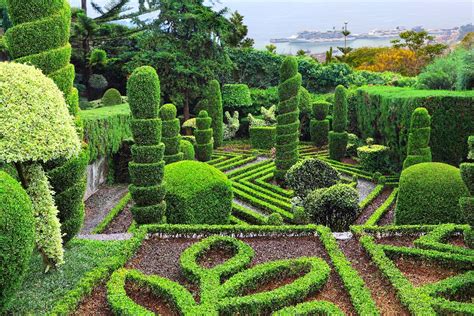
{"x": 263, "y": 137}
{"x": 384, "y": 113}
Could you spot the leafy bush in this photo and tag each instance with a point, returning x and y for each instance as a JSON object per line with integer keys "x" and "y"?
{"x": 111, "y": 97}
{"x": 146, "y": 169}
{"x": 338, "y": 136}
{"x": 98, "y": 82}
{"x": 336, "y": 207}
{"x": 275, "y": 219}
{"x": 384, "y": 113}
{"x": 429, "y": 194}
{"x": 17, "y": 236}
{"x": 310, "y": 174}
{"x": 213, "y": 102}
{"x": 187, "y": 148}
{"x": 319, "y": 127}
{"x": 264, "y": 97}
{"x": 418, "y": 138}
{"x": 288, "y": 124}
{"x": 374, "y": 157}
{"x": 170, "y": 133}
{"x": 263, "y": 137}
{"x": 203, "y": 134}
{"x": 197, "y": 194}
{"x": 236, "y": 97}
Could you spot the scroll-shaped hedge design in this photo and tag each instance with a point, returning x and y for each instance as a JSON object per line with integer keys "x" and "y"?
{"x": 170, "y": 133}
{"x": 288, "y": 123}
{"x": 40, "y": 37}
{"x": 223, "y": 287}
{"x": 204, "y": 139}
{"x": 147, "y": 167}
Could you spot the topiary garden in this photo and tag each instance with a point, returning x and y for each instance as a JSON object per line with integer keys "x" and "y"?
{"x": 192, "y": 199}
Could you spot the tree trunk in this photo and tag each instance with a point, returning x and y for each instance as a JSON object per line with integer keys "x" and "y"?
{"x": 84, "y": 5}
{"x": 186, "y": 113}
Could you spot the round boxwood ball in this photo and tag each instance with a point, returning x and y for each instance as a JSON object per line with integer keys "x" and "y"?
{"x": 336, "y": 207}
{"x": 429, "y": 194}
{"x": 197, "y": 193}
{"x": 168, "y": 112}
{"x": 17, "y": 236}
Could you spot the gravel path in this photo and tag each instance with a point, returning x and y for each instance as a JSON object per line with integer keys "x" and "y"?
{"x": 364, "y": 187}
{"x": 106, "y": 237}
{"x": 250, "y": 207}
{"x": 100, "y": 204}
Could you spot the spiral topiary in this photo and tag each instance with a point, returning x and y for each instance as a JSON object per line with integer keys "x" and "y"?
{"x": 170, "y": 132}
{"x": 147, "y": 167}
{"x": 215, "y": 111}
{"x": 203, "y": 134}
{"x": 17, "y": 237}
{"x": 319, "y": 126}
{"x": 288, "y": 124}
{"x": 418, "y": 138}
{"x": 338, "y": 137}
{"x": 40, "y": 37}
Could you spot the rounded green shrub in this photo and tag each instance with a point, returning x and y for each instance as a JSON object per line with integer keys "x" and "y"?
{"x": 263, "y": 137}
{"x": 111, "y": 97}
{"x": 310, "y": 174}
{"x": 336, "y": 207}
{"x": 374, "y": 157}
{"x": 286, "y": 141}
{"x": 187, "y": 148}
{"x": 418, "y": 138}
{"x": 147, "y": 168}
{"x": 204, "y": 139}
{"x": 338, "y": 137}
{"x": 170, "y": 133}
{"x": 197, "y": 194}
{"x": 17, "y": 237}
{"x": 275, "y": 219}
{"x": 429, "y": 194}
{"x": 236, "y": 97}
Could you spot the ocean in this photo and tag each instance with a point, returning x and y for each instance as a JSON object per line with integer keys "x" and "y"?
{"x": 283, "y": 18}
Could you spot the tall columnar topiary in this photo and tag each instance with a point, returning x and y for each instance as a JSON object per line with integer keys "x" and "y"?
{"x": 17, "y": 237}
{"x": 418, "y": 138}
{"x": 215, "y": 110}
{"x": 40, "y": 37}
{"x": 35, "y": 127}
{"x": 147, "y": 167}
{"x": 319, "y": 127}
{"x": 170, "y": 133}
{"x": 467, "y": 203}
{"x": 203, "y": 133}
{"x": 288, "y": 123}
{"x": 338, "y": 137}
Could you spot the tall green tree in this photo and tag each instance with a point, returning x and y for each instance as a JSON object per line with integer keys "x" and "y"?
{"x": 237, "y": 35}
{"x": 420, "y": 43}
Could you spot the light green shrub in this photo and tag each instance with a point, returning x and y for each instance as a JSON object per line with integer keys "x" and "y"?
{"x": 187, "y": 148}
{"x": 111, "y": 97}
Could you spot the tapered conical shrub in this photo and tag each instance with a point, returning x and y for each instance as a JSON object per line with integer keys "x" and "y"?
{"x": 215, "y": 111}
{"x": 147, "y": 167}
{"x": 418, "y": 138}
{"x": 319, "y": 127}
{"x": 170, "y": 133}
{"x": 40, "y": 37}
{"x": 288, "y": 123}
{"x": 338, "y": 137}
{"x": 203, "y": 134}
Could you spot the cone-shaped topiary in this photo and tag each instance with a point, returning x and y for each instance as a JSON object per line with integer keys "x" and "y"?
{"x": 467, "y": 203}
{"x": 213, "y": 106}
{"x": 36, "y": 127}
{"x": 203, "y": 134}
{"x": 147, "y": 167}
{"x": 319, "y": 126}
{"x": 418, "y": 138}
{"x": 288, "y": 123}
{"x": 170, "y": 132}
{"x": 40, "y": 37}
{"x": 338, "y": 137}
{"x": 17, "y": 237}
{"x": 111, "y": 97}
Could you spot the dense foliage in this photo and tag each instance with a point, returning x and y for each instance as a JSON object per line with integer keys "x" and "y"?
{"x": 310, "y": 174}
{"x": 262, "y": 137}
{"x": 213, "y": 106}
{"x": 17, "y": 236}
{"x": 203, "y": 134}
{"x": 429, "y": 194}
{"x": 288, "y": 124}
{"x": 418, "y": 138}
{"x": 197, "y": 194}
{"x": 146, "y": 170}
{"x": 338, "y": 137}
{"x": 319, "y": 126}
{"x": 187, "y": 148}
{"x": 111, "y": 97}
{"x": 374, "y": 158}
{"x": 170, "y": 133}
{"x": 236, "y": 97}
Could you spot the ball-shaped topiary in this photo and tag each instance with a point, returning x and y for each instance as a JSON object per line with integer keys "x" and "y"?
{"x": 187, "y": 148}
{"x": 197, "y": 194}
{"x": 429, "y": 194}
{"x": 170, "y": 132}
{"x": 310, "y": 174}
{"x": 336, "y": 207}
{"x": 111, "y": 97}
{"x": 17, "y": 237}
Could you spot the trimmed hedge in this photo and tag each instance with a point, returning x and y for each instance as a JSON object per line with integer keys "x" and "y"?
{"x": 385, "y": 113}
{"x": 319, "y": 125}
{"x": 111, "y": 97}
{"x": 418, "y": 138}
{"x": 170, "y": 132}
{"x": 288, "y": 91}
{"x": 147, "y": 168}
{"x": 215, "y": 110}
{"x": 374, "y": 158}
{"x": 263, "y": 137}
{"x": 17, "y": 231}
{"x": 338, "y": 137}
{"x": 204, "y": 139}
{"x": 197, "y": 194}
{"x": 236, "y": 97}
{"x": 429, "y": 193}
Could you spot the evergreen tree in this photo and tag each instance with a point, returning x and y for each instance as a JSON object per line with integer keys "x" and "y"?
{"x": 338, "y": 137}
{"x": 213, "y": 106}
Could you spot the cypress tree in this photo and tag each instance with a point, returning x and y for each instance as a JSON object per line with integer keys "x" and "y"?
{"x": 338, "y": 137}
{"x": 418, "y": 138}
